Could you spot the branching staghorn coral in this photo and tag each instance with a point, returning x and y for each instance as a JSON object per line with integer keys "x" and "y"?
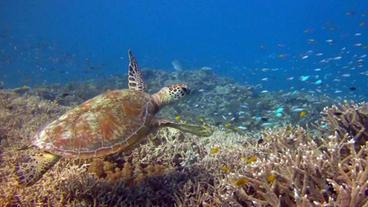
{"x": 156, "y": 174}
{"x": 286, "y": 167}
{"x": 293, "y": 170}
{"x": 21, "y": 116}
{"x": 351, "y": 119}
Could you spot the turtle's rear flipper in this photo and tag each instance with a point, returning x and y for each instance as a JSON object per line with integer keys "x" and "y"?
{"x": 202, "y": 131}
{"x": 30, "y": 168}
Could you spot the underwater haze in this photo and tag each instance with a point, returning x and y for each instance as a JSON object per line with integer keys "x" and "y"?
{"x": 318, "y": 46}
{"x": 245, "y": 103}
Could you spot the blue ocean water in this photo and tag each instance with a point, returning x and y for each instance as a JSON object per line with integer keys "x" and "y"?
{"x": 317, "y": 46}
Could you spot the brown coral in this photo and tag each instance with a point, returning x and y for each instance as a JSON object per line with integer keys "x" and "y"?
{"x": 291, "y": 167}
{"x": 331, "y": 172}
{"x": 350, "y": 119}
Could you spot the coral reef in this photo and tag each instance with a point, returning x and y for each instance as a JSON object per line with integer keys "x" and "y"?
{"x": 214, "y": 99}
{"x": 21, "y": 116}
{"x": 244, "y": 163}
{"x": 293, "y": 170}
{"x": 286, "y": 166}
{"x": 348, "y": 119}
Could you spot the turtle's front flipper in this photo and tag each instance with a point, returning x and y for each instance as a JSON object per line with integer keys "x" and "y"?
{"x": 202, "y": 131}
{"x": 135, "y": 77}
{"x": 31, "y": 167}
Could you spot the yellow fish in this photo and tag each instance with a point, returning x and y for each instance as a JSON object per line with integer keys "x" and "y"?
{"x": 225, "y": 169}
{"x": 178, "y": 118}
{"x": 241, "y": 182}
{"x": 271, "y": 178}
{"x": 228, "y": 125}
{"x": 215, "y": 150}
{"x": 302, "y": 114}
{"x": 251, "y": 159}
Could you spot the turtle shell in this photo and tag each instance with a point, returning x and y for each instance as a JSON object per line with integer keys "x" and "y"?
{"x": 103, "y": 125}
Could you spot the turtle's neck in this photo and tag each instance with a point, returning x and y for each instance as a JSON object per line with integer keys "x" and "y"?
{"x": 162, "y": 97}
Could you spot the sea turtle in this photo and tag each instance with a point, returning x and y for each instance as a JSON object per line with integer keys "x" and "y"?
{"x": 112, "y": 122}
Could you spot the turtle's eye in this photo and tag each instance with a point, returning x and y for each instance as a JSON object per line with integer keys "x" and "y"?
{"x": 186, "y": 90}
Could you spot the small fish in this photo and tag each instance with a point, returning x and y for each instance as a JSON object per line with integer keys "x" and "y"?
{"x": 177, "y": 118}
{"x": 364, "y": 73}
{"x": 324, "y": 61}
{"x": 305, "y": 57}
{"x": 271, "y": 178}
{"x": 266, "y": 124}
{"x": 352, "y": 88}
{"x": 337, "y": 113}
{"x": 228, "y": 125}
{"x": 264, "y": 119}
{"x": 279, "y": 110}
{"x": 215, "y": 150}
{"x": 225, "y": 169}
{"x": 241, "y": 182}
{"x": 346, "y": 75}
{"x": 319, "y": 54}
{"x": 206, "y": 68}
{"x": 242, "y": 127}
{"x": 65, "y": 94}
{"x": 302, "y": 114}
{"x": 304, "y": 77}
{"x": 278, "y": 115}
{"x": 318, "y": 82}
{"x": 177, "y": 65}
{"x": 324, "y": 126}
{"x": 250, "y": 160}
{"x": 260, "y": 141}
{"x": 282, "y": 56}
{"x": 311, "y": 41}
{"x": 329, "y": 41}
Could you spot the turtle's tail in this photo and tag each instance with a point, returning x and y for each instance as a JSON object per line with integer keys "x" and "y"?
{"x": 30, "y": 168}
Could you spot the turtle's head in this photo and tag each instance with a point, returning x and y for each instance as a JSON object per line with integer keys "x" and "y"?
{"x": 170, "y": 94}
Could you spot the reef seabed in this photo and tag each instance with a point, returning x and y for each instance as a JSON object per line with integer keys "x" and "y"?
{"x": 288, "y": 165}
